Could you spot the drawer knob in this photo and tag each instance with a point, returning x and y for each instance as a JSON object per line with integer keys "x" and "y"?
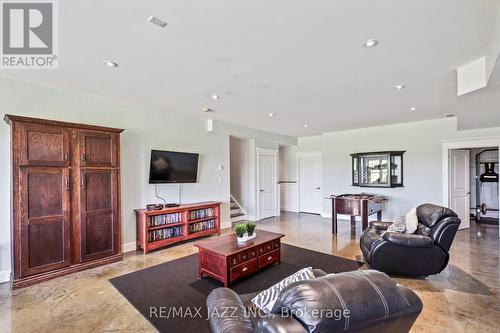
{"x": 269, "y": 258}
{"x": 244, "y": 269}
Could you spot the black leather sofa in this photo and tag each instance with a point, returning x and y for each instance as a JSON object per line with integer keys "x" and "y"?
{"x": 423, "y": 253}
{"x": 374, "y": 301}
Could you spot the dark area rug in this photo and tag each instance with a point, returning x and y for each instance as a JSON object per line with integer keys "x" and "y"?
{"x": 158, "y": 289}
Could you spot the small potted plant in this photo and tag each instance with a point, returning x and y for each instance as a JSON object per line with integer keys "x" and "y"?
{"x": 240, "y": 230}
{"x": 245, "y": 231}
{"x": 250, "y": 228}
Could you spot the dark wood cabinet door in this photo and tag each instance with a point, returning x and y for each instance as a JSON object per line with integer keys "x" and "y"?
{"x": 99, "y": 213}
{"x": 98, "y": 149}
{"x": 44, "y": 145}
{"x": 45, "y": 219}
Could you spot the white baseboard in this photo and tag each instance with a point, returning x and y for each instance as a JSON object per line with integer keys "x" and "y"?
{"x": 129, "y": 247}
{"x": 252, "y": 218}
{"x": 5, "y": 276}
{"x": 288, "y": 209}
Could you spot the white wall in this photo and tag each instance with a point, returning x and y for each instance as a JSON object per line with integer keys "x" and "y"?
{"x": 146, "y": 128}
{"x": 422, "y": 160}
{"x": 241, "y": 172}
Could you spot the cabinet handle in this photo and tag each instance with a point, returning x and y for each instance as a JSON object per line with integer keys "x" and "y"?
{"x": 244, "y": 269}
{"x": 84, "y": 182}
{"x": 82, "y": 157}
{"x": 66, "y": 157}
{"x": 269, "y": 258}
{"x": 66, "y": 183}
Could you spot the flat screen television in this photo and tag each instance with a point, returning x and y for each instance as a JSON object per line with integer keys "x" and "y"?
{"x": 173, "y": 167}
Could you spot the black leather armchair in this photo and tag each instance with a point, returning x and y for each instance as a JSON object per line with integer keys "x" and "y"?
{"x": 374, "y": 301}
{"x": 423, "y": 253}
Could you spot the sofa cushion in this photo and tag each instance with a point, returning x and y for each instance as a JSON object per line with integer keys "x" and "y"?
{"x": 266, "y": 299}
{"x": 429, "y": 214}
{"x": 411, "y": 220}
{"x": 342, "y": 301}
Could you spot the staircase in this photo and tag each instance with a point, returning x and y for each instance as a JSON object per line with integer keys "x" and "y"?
{"x": 237, "y": 213}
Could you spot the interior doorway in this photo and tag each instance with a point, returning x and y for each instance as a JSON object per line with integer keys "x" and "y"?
{"x": 309, "y": 175}
{"x": 484, "y": 188}
{"x": 267, "y": 184}
{"x": 470, "y": 180}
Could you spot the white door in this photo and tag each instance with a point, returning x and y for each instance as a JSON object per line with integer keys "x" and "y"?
{"x": 266, "y": 183}
{"x": 310, "y": 193}
{"x": 460, "y": 185}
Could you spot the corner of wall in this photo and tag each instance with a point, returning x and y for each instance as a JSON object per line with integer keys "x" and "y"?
{"x": 5, "y": 276}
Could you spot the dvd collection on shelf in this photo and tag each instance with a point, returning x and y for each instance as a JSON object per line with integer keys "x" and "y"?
{"x": 157, "y": 220}
{"x": 201, "y": 213}
{"x": 156, "y": 235}
{"x": 201, "y": 226}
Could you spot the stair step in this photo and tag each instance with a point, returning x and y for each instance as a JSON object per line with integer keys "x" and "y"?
{"x": 234, "y": 206}
{"x": 236, "y": 215}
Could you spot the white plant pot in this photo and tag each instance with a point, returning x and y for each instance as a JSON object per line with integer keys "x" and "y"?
{"x": 246, "y": 237}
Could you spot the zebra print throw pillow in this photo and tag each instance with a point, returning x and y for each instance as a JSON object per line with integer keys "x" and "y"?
{"x": 398, "y": 226}
{"x": 266, "y": 299}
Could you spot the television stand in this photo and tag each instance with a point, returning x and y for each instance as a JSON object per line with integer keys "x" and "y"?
{"x": 160, "y": 228}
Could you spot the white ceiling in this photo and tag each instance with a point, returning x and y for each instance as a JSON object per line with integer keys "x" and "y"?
{"x": 302, "y": 60}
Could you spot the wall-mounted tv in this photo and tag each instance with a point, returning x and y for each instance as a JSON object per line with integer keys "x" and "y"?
{"x": 173, "y": 167}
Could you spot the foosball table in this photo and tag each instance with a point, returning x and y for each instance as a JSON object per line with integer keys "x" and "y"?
{"x": 362, "y": 205}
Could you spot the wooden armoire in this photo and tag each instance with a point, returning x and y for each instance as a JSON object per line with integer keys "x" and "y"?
{"x": 65, "y": 198}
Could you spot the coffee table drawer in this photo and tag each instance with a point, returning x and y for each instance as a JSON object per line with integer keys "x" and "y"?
{"x": 234, "y": 260}
{"x": 269, "y": 258}
{"x": 244, "y": 269}
{"x": 264, "y": 248}
{"x": 253, "y": 253}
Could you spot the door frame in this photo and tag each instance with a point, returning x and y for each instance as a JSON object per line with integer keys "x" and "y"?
{"x": 274, "y": 153}
{"x": 299, "y": 155}
{"x": 447, "y": 145}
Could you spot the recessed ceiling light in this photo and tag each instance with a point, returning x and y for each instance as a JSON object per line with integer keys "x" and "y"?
{"x": 159, "y": 22}
{"x": 399, "y": 87}
{"x": 272, "y": 114}
{"x": 413, "y": 108}
{"x": 207, "y": 110}
{"x": 370, "y": 43}
{"x": 306, "y": 126}
{"x": 110, "y": 63}
{"x": 450, "y": 115}
{"x": 215, "y": 97}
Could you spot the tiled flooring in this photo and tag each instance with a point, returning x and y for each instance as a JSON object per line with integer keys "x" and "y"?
{"x": 463, "y": 298}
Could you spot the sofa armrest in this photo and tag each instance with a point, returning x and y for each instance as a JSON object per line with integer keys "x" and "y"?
{"x": 279, "y": 324}
{"x": 226, "y": 312}
{"x": 409, "y": 240}
{"x": 380, "y": 225}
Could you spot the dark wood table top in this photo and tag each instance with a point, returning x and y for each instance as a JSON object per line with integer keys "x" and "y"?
{"x": 227, "y": 245}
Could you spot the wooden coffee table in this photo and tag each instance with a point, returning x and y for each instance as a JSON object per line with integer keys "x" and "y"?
{"x": 226, "y": 260}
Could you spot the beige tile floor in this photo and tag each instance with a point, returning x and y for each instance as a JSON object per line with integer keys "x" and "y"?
{"x": 463, "y": 298}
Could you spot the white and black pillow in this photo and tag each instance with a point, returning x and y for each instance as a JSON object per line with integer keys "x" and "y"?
{"x": 398, "y": 226}
{"x": 266, "y": 299}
